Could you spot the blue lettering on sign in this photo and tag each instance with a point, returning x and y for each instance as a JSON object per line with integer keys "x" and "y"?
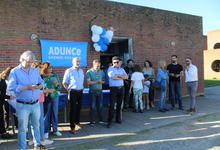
{"x": 60, "y": 53}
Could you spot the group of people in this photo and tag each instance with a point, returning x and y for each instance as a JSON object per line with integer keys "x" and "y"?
{"x": 141, "y": 84}
{"x": 174, "y": 73}
{"x": 36, "y": 90}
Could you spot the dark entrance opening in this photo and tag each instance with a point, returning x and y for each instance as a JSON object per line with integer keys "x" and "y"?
{"x": 120, "y": 46}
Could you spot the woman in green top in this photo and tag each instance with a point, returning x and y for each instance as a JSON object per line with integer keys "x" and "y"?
{"x": 51, "y": 81}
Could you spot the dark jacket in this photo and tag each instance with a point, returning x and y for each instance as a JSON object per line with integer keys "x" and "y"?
{"x": 3, "y": 87}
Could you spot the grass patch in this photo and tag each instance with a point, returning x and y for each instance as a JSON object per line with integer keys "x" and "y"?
{"x": 212, "y": 82}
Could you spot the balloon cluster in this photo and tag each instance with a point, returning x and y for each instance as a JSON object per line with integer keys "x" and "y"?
{"x": 101, "y": 38}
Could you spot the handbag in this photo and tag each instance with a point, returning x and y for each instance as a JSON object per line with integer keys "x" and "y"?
{"x": 48, "y": 99}
{"x": 157, "y": 85}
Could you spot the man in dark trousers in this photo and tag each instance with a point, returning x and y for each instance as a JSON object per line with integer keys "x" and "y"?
{"x": 73, "y": 82}
{"x": 175, "y": 74}
{"x": 116, "y": 76}
{"x": 128, "y": 96}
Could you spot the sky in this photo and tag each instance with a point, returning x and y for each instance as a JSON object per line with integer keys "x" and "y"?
{"x": 207, "y": 9}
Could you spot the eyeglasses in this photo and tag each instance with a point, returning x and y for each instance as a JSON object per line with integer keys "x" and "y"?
{"x": 116, "y": 62}
{"x": 28, "y": 61}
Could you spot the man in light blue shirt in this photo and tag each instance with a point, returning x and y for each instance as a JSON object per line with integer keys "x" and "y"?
{"x": 26, "y": 82}
{"x": 116, "y": 76}
{"x": 73, "y": 82}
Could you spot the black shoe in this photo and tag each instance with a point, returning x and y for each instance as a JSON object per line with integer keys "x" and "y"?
{"x": 189, "y": 110}
{"x": 92, "y": 123}
{"x": 39, "y": 147}
{"x": 181, "y": 108}
{"x": 6, "y": 136}
{"x": 109, "y": 125}
{"x": 162, "y": 110}
{"x": 118, "y": 121}
{"x": 194, "y": 110}
{"x": 135, "y": 110}
{"x": 124, "y": 110}
{"x": 172, "y": 108}
{"x": 166, "y": 109}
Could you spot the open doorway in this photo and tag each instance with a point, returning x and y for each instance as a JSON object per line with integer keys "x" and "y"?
{"x": 120, "y": 46}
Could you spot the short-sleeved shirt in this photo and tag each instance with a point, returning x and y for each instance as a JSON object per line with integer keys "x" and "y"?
{"x": 137, "y": 78}
{"x": 93, "y": 75}
{"x": 114, "y": 71}
{"x": 176, "y": 69}
{"x": 74, "y": 78}
{"x": 146, "y": 88}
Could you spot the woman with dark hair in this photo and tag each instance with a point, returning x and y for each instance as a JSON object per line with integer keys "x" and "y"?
{"x": 3, "y": 104}
{"x": 148, "y": 70}
{"x": 51, "y": 81}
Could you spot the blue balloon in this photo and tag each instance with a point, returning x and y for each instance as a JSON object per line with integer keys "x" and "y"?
{"x": 106, "y": 41}
{"x": 101, "y": 41}
{"x": 103, "y": 31}
{"x": 104, "y": 47}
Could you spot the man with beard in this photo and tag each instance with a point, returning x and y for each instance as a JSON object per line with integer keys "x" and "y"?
{"x": 175, "y": 72}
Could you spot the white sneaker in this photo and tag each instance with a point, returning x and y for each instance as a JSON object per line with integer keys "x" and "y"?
{"x": 46, "y": 135}
{"x": 101, "y": 122}
{"x": 30, "y": 143}
{"x": 57, "y": 133}
{"x": 152, "y": 105}
{"x": 46, "y": 142}
{"x": 148, "y": 107}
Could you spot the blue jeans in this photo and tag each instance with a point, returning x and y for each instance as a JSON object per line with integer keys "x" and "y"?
{"x": 23, "y": 112}
{"x": 96, "y": 98}
{"x": 51, "y": 116}
{"x": 163, "y": 90}
{"x": 138, "y": 98}
{"x": 175, "y": 91}
{"x": 30, "y": 127}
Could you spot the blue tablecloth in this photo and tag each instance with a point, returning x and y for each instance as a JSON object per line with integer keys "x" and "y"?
{"x": 85, "y": 101}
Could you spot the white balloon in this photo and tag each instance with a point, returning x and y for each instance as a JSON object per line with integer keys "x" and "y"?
{"x": 93, "y": 28}
{"x": 110, "y": 39}
{"x": 95, "y": 45}
{"x": 95, "y": 37}
{"x": 98, "y": 48}
{"x": 97, "y": 30}
{"x": 109, "y": 34}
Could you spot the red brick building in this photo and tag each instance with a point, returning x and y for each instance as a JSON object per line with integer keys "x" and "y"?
{"x": 142, "y": 32}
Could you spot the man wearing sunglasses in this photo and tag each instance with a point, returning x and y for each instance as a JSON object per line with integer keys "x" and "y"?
{"x": 116, "y": 76}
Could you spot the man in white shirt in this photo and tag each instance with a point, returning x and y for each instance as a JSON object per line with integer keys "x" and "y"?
{"x": 73, "y": 82}
{"x": 191, "y": 79}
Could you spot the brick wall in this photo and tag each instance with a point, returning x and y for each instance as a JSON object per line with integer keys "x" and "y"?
{"x": 152, "y": 30}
